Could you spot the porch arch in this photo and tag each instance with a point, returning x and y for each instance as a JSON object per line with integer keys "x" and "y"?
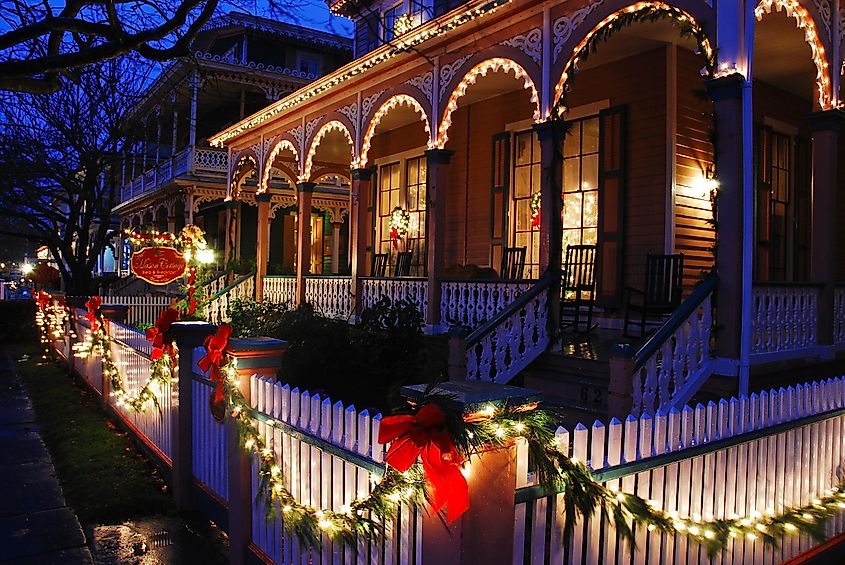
{"x": 395, "y": 101}
{"x": 629, "y": 14}
{"x": 333, "y": 125}
{"x": 804, "y": 20}
{"x": 494, "y": 64}
{"x": 282, "y": 145}
{"x": 245, "y": 164}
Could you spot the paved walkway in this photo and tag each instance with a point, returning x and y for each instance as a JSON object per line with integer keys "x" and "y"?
{"x": 36, "y": 526}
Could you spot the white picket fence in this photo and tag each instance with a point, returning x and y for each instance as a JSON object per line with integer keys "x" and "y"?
{"x": 775, "y": 469}
{"x": 328, "y": 454}
{"x": 142, "y": 309}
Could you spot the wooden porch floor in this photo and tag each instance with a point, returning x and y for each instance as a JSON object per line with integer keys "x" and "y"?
{"x": 596, "y": 345}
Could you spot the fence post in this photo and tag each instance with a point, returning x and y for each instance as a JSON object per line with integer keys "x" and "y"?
{"x": 111, "y": 313}
{"x": 188, "y": 335}
{"x": 620, "y": 388}
{"x": 485, "y": 533}
{"x": 255, "y": 356}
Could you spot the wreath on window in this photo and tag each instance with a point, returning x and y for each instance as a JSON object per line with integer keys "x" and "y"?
{"x": 400, "y": 221}
{"x": 535, "y": 210}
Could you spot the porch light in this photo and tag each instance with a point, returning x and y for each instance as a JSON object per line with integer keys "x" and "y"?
{"x": 205, "y": 255}
{"x": 27, "y": 269}
{"x": 703, "y": 187}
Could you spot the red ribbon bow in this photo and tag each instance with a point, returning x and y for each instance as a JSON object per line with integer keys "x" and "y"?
{"x": 42, "y": 299}
{"x": 394, "y": 236}
{"x": 93, "y": 305}
{"x": 425, "y": 434}
{"x": 192, "y": 279}
{"x": 214, "y": 347}
{"x": 156, "y": 334}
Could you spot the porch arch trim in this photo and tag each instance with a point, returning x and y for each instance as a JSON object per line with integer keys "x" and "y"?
{"x": 281, "y": 145}
{"x": 395, "y": 101}
{"x": 333, "y": 125}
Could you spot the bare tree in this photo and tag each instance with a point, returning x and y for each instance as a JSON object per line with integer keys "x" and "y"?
{"x": 46, "y": 42}
{"x": 60, "y": 158}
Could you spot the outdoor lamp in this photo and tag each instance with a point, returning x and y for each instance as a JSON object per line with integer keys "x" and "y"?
{"x": 205, "y": 255}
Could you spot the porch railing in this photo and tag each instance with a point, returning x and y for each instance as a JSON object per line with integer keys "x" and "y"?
{"x": 470, "y": 303}
{"x": 202, "y": 160}
{"x": 784, "y": 319}
{"x": 673, "y": 363}
{"x": 217, "y": 306}
{"x": 411, "y": 289}
{"x": 510, "y": 340}
{"x": 331, "y": 296}
{"x": 280, "y": 289}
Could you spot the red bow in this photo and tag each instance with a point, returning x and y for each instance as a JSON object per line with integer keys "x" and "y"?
{"x": 42, "y": 299}
{"x": 156, "y": 334}
{"x": 214, "y": 347}
{"x": 394, "y": 236}
{"x": 93, "y": 305}
{"x": 535, "y": 218}
{"x": 425, "y": 434}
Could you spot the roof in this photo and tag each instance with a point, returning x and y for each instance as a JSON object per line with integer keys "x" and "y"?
{"x": 281, "y": 29}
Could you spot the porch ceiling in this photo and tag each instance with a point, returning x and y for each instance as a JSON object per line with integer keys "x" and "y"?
{"x": 781, "y": 56}
{"x": 639, "y": 38}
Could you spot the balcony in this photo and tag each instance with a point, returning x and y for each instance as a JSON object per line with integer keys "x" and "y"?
{"x": 194, "y": 161}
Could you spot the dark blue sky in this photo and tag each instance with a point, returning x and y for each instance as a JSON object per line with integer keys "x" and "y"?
{"x": 309, "y": 13}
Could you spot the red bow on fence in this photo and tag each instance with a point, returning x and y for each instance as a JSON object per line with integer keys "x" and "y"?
{"x": 425, "y": 435}
{"x": 214, "y": 347}
{"x": 93, "y": 305}
{"x": 156, "y": 334}
{"x": 42, "y": 299}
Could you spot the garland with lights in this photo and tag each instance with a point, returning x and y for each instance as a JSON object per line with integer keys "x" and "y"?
{"x": 535, "y": 205}
{"x": 51, "y": 315}
{"x": 437, "y": 435}
{"x": 98, "y": 342}
{"x": 400, "y": 222}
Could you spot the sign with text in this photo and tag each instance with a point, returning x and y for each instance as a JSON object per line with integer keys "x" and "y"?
{"x": 158, "y": 265}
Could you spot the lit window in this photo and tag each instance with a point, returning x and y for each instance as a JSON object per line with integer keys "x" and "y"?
{"x": 390, "y": 19}
{"x": 580, "y": 183}
{"x": 526, "y": 184}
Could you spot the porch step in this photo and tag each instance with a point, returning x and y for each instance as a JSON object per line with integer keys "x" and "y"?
{"x": 575, "y": 386}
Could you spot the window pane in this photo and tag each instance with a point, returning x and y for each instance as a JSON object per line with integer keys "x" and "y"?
{"x": 571, "y": 175}
{"x": 591, "y": 136}
{"x": 522, "y": 182}
{"x": 572, "y": 210}
{"x": 523, "y": 149}
{"x": 572, "y": 143}
{"x": 591, "y": 209}
{"x": 590, "y": 172}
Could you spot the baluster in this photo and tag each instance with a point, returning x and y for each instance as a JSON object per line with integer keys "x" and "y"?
{"x": 680, "y": 363}
{"x": 650, "y": 388}
{"x": 637, "y": 392}
{"x": 694, "y": 360}
{"x": 664, "y": 374}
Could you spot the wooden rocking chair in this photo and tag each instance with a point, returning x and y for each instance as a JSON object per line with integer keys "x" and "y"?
{"x": 403, "y": 264}
{"x": 379, "y": 266}
{"x": 578, "y": 288}
{"x": 662, "y": 294}
{"x": 513, "y": 263}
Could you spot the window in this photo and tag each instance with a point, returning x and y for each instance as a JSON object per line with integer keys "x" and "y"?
{"x": 389, "y": 19}
{"x": 781, "y": 173}
{"x": 526, "y": 183}
{"x": 580, "y": 183}
{"x": 403, "y": 184}
{"x": 309, "y": 64}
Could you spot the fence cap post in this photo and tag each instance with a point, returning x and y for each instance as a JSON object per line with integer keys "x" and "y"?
{"x": 115, "y": 312}
{"x": 192, "y": 333}
{"x": 260, "y": 355}
{"x": 473, "y": 396}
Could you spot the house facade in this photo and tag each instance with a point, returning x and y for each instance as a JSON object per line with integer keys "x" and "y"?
{"x": 239, "y": 64}
{"x": 470, "y": 130}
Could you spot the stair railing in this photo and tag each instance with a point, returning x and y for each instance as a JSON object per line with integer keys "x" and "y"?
{"x": 217, "y": 306}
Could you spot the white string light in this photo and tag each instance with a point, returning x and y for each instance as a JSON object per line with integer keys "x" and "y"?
{"x": 395, "y": 101}
{"x": 333, "y": 125}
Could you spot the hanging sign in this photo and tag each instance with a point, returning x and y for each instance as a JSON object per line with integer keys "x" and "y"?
{"x": 158, "y": 265}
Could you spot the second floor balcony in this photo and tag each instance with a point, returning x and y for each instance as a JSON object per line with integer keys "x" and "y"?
{"x": 192, "y": 163}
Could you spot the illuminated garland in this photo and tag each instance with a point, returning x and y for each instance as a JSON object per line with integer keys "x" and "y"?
{"x": 398, "y": 100}
{"x": 536, "y": 206}
{"x": 333, "y": 125}
{"x": 495, "y": 427}
{"x": 99, "y": 343}
{"x": 400, "y": 222}
{"x": 51, "y": 315}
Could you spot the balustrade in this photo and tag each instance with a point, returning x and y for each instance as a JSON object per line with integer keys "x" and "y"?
{"x": 783, "y": 318}
{"x": 470, "y": 303}
{"x": 413, "y": 290}
{"x": 280, "y": 289}
{"x": 331, "y": 296}
{"x": 217, "y": 308}
{"x": 210, "y": 159}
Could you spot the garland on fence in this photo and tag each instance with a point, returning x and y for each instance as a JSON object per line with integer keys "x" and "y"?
{"x": 98, "y": 342}
{"x": 437, "y": 439}
{"x": 51, "y": 315}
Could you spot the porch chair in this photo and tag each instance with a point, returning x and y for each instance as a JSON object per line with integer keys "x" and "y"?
{"x": 578, "y": 287}
{"x": 662, "y": 293}
{"x": 379, "y": 266}
{"x": 403, "y": 264}
{"x": 513, "y": 262}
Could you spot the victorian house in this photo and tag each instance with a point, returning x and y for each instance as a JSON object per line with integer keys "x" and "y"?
{"x": 627, "y": 198}
{"x": 240, "y": 64}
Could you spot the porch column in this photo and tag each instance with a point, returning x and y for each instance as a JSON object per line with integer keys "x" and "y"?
{"x": 231, "y": 221}
{"x": 551, "y": 203}
{"x": 726, "y": 93}
{"x": 437, "y": 175}
{"x": 171, "y": 224}
{"x": 158, "y": 135}
{"x": 175, "y": 138}
{"x": 303, "y": 234}
{"x": 192, "y": 134}
{"x": 262, "y": 245}
{"x": 336, "y": 246}
{"x": 825, "y": 128}
{"x": 360, "y": 196}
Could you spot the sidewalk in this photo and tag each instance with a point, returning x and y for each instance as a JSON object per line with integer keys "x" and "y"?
{"x": 36, "y": 526}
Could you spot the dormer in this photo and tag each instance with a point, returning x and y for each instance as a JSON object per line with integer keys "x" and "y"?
{"x": 380, "y": 21}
